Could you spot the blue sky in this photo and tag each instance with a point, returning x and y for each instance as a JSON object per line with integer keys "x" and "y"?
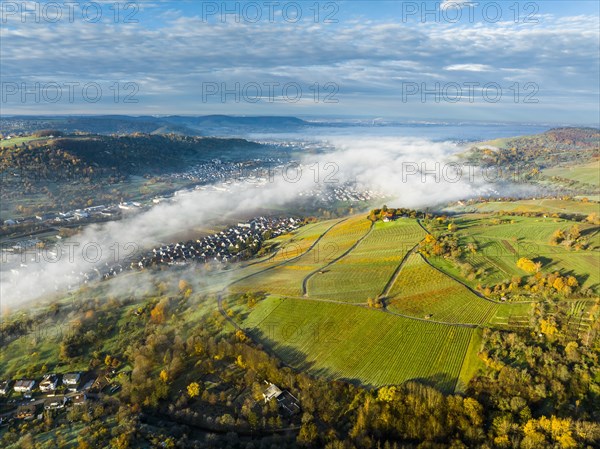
{"x": 493, "y": 61}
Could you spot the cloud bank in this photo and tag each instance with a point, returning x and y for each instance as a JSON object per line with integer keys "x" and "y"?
{"x": 391, "y": 165}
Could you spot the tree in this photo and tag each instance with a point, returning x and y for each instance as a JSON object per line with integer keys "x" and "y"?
{"x": 193, "y": 389}
{"x": 528, "y": 265}
{"x": 574, "y": 232}
{"x": 164, "y": 376}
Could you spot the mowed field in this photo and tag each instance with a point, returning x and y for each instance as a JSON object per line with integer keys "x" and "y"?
{"x": 364, "y": 272}
{"x": 422, "y": 291}
{"x": 372, "y": 347}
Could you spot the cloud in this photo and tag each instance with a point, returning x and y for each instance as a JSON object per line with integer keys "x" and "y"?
{"x": 469, "y": 68}
{"x": 171, "y": 58}
{"x": 448, "y": 4}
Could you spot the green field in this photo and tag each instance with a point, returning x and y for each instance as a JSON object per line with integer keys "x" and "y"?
{"x": 501, "y": 245}
{"x": 366, "y": 270}
{"x": 586, "y": 173}
{"x": 341, "y": 341}
{"x": 6, "y": 143}
{"x": 511, "y": 315}
{"x": 549, "y": 206}
{"x": 329, "y": 331}
{"x": 422, "y": 291}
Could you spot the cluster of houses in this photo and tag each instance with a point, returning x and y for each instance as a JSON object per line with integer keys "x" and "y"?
{"x": 48, "y": 384}
{"x": 96, "y": 213}
{"x": 52, "y": 392}
{"x": 341, "y": 192}
{"x": 216, "y": 171}
{"x": 225, "y": 246}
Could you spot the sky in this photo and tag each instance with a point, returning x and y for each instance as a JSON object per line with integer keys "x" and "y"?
{"x": 491, "y": 61}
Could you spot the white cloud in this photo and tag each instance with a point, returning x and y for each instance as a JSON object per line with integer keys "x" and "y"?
{"x": 469, "y": 68}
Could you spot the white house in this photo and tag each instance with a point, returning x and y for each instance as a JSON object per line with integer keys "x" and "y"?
{"x": 49, "y": 383}
{"x": 24, "y": 386}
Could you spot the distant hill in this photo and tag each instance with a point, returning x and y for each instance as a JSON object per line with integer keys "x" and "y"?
{"x": 558, "y": 146}
{"x": 123, "y": 124}
{"x": 138, "y": 154}
{"x": 46, "y": 172}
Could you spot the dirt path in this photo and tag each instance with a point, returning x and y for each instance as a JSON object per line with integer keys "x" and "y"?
{"x": 348, "y": 251}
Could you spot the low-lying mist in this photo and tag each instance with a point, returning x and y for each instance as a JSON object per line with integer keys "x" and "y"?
{"x": 391, "y": 165}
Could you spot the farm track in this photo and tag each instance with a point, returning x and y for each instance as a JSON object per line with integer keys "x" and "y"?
{"x": 385, "y": 291}
{"x": 390, "y": 283}
{"x": 344, "y": 254}
{"x": 315, "y": 243}
{"x": 475, "y": 292}
{"x": 222, "y": 292}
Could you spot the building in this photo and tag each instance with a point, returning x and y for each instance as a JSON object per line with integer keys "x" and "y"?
{"x": 5, "y": 387}
{"x": 55, "y": 403}
{"x": 79, "y": 399}
{"x": 71, "y": 380}
{"x": 26, "y": 411}
{"x": 285, "y": 400}
{"x": 24, "y": 386}
{"x": 272, "y": 392}
{"x": 49, "y": 383}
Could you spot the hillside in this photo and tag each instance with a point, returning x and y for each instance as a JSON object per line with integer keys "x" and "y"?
{"x": 122, "y": 124}
{"x": 43, "y": 173}
{"x": 188, "y": 351}
{"x": 554, "y": 147}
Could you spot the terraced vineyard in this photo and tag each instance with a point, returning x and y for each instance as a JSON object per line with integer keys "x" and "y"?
{"x": 341, "y": 341}
{"x": 365, "y": 271}
{"x": 424, "y": 292}
{"x": 315, "y": 317}
{"x": 580, "y": 317}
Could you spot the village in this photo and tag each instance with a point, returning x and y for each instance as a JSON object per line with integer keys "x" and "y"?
{"x": 233, "y": 244}
{"x": 27, "y": 399}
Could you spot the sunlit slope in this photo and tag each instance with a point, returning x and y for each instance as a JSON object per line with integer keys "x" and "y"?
{"x": 364, "y": 272}
{"x": 342, "y": 341}
{"x": 285, "y": 273}
{"x": 424, "y": 292}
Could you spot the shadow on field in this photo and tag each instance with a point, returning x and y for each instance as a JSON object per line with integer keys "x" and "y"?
{"x": 440, "y": 381}
{"x": 297, "y": 360}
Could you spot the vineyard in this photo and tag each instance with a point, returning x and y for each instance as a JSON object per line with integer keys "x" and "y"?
{"x": 318, "y": 281}
{"x": 357, "y": 344}
{"x": 424, "y": 292}
{"x": 366, "y": 270}
{"x": 501, "y": 241}
{"x": 298, "y": 258}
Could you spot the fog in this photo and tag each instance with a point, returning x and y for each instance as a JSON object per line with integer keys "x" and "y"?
{"x": 412, "y": 172}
